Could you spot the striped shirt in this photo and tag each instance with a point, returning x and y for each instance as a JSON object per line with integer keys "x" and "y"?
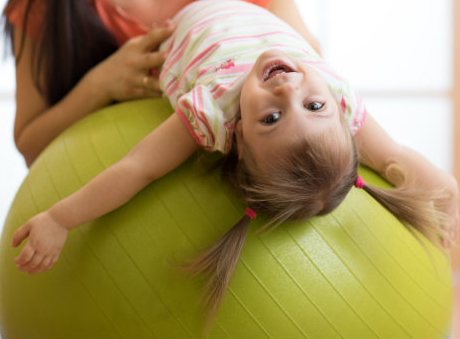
{"x": 213, "y": 48}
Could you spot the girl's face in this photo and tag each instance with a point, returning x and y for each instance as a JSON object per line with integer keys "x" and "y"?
{"x": 282, "y": 101}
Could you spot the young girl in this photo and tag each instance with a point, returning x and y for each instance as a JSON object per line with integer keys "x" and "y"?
{"x": 74, "y": 57}
{"x": 244, "y": 83}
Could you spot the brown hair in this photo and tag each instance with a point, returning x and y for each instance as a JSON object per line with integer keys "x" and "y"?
{"x": 417, "y": 208}
{"x": 312, "y": 180}
{"x": 73, "y": 39}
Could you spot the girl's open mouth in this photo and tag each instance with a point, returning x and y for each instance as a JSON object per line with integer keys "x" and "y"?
{"x": 275, "y": 68}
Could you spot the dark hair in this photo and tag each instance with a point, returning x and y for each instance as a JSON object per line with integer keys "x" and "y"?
{"x": 312, "y": 180}
{"x": 71, "y": 40}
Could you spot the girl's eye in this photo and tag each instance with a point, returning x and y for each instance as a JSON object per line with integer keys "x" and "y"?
{"x": 314, "y": 106}
{"x": 271, "y": 118}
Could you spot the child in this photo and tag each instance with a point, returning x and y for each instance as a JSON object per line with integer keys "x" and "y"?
{"x": 114, "y": 48}
{"x": 247, "y": 85}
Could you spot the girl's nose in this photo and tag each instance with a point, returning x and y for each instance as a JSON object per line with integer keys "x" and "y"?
{"x": 288, "y": 88}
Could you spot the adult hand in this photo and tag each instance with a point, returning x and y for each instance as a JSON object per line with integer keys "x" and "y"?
{"x": 46, "y": 239}
{"x": 127, "y": 74}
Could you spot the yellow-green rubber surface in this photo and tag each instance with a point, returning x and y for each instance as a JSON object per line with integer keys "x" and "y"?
{"x": 356, "y": 273}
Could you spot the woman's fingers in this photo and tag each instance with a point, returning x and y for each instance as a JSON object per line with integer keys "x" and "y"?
{"x": 146, "y": 87}
{"x": 129, "y": 73}
{"x": 150, "y": 83}
{"x": 150, "y": 60}
{"x": 142, "y": 92}
{"x": 152, "y": 39}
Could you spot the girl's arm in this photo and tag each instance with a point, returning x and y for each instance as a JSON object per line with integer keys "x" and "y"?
{"x": 157, "y": 154}
{"x": 380, "y": 152}
{"x": 120, "y": 77}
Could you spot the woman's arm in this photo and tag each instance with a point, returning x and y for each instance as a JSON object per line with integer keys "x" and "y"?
{"x": 380, "y": 152}
{"x": 287, "y": 11}
{"x": 120, "y": 77}
{"x": 157, "y": 154}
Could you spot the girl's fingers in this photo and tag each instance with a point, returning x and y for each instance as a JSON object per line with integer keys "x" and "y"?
{"x": 445, "y": 243}
{"x": 454, "y": 233}
{"x": 46, "y": 262}
{"x": 25, "y": 256}
{"x": 20, "y": 234}
{"x": 53, "y": 260}
{"x": 40, "y": 264}
{"x": 33, "y": 263}
{"x": 43, "y": 266}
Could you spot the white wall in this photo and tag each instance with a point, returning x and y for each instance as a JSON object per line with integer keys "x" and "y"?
{"x": 396, "y": 53}
{"x": 398, "y": 56}
{"x": 12, "y": 168}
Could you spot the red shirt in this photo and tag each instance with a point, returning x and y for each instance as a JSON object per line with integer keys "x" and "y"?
{"x": 123, "y": 25}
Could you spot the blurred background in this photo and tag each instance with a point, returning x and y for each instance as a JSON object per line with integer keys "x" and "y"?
{"x": 398, "y": 54}
{"x": 403, "y": 58}
{"x": 12, "y": 168}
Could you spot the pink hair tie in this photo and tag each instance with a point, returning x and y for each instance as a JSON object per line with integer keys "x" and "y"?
{"x": 359, "y": 183}
{"x": 250, "y": 213}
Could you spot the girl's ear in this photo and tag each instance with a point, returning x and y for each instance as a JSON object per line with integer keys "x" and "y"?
{"x": 239, "y": 139}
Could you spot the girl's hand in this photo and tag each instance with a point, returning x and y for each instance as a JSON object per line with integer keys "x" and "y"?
{"x": 46, "y": 239}
{"x": 452, "y": 209}
{"x": 127, "y": 74}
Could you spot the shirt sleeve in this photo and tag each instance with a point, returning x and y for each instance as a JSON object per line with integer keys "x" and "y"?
{"x": 352, "y": 107}
{"x": 16, "y": 11}
{"x": 205, "y": 120}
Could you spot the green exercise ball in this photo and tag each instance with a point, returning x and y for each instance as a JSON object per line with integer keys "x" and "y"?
{"x": 356, "y": 273}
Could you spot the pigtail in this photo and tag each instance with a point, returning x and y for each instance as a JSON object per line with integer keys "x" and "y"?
{"x": 421, "y": 209}
{"x": 218, "y": 263}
